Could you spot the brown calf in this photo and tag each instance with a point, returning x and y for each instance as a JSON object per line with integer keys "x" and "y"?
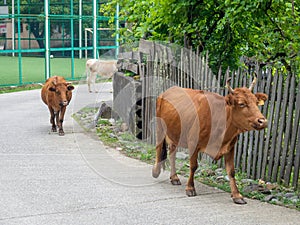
{"x": 57, "y": 94}
{"x": 205, "y": 122}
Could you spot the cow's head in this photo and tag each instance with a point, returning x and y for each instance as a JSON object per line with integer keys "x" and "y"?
{"x": 62, "y": 91}
{"x": 244, "y": 104}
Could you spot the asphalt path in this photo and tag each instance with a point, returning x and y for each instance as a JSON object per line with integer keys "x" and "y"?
{"x": 75, "y": 179}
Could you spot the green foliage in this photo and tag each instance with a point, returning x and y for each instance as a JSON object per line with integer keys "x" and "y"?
{"x": 268, "y": 31}
{"x": 32, "y": 12}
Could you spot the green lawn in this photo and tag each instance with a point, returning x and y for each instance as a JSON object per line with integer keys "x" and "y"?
{"x": 33, "y": 69}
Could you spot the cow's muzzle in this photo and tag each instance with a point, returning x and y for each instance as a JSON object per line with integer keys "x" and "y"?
{"x": 260, "y": 123}
{"x": 63, "y": 103}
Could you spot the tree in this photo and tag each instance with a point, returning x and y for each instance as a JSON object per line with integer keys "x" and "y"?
{"x": 33, "y": 14}
{"x": 267, "y": 30}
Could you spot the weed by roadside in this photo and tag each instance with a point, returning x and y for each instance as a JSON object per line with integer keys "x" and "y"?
{"x": 27, "y": 87}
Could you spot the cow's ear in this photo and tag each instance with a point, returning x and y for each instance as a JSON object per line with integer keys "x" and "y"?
{"x": 52, "y": 89}
{"x": 261, "y": 97}
{"x": 70, "y": 87}
{"x": 229, "y": 99}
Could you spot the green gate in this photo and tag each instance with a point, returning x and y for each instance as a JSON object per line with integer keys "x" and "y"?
{"x": 39, "y": 39}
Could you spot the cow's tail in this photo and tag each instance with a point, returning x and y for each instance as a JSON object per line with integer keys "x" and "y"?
{"x": 164, "y": 153}
{"x": 161, "y": 157}
{"x": 161, "y": 144}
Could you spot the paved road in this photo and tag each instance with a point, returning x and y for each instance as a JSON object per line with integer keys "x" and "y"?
{"x": 48, "y": 179}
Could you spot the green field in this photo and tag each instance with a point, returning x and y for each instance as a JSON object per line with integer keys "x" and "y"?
{"x": 33, "y": 69}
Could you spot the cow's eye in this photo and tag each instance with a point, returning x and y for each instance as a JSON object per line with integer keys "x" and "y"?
{"x": 242, "y": 105}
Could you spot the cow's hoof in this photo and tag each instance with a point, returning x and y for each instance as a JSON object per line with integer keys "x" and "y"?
{"x": 239, "y": 201}
{"x": 53, "y": 129}
{"x": 155, "y": 171}
{"x": 191, "y": 192}
{"x": 61, "y": 133}
{"x": 176, "y": 182}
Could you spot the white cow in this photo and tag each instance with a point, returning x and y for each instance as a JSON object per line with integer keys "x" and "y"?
{"x": 105, "y": 68}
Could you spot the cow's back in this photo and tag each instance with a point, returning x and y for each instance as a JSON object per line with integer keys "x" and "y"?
{"x": 187, "y": 115}
{"x": 104, "y": 68}
{"x": 45, "y": 90}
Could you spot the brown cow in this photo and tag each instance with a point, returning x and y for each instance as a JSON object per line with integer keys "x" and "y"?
{"x": 205, "y": 122}
{"x": 57, "y": 94}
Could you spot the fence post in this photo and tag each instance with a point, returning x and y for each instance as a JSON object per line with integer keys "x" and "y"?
{"x": 47, "y": 30}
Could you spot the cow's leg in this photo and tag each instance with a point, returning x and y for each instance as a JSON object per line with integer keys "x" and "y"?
{"x": 60, "y": 120}
{"x": 93, "y": 77}
{"x": 88, "y": 79}
{"x": 173, "y": 176}
{"x": 57, "y": 120}
{"x": 161, "y": 148}
{"x": 190, "y": 187}
{"x": 52, "y": 119}
{"x": 229, "y": 164}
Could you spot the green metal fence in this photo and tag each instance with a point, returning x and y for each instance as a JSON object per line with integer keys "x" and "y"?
{"x": 39, "y": 39}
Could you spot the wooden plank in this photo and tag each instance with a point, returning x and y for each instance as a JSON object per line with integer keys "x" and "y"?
{"x": 143, "y": 79}
{"x": 206, "y": 71}
{"x": 129, "y": 67}
{"x": 214, "y": 83}
{"x": 152, "y": 100}
{"x": 149, "y": 72}
{"x": 133, "y": 55}
{"x": 236, "y": 79}
{"x": 146, "y": 105}
{"x": 240, "y": 82}
{"x": 141, "y": 64}
{"x": 218, "y": 81}
{"x": 282, "y": 123}
{"x": 244, "y": 81}
{"x": 182, "y": 70}
{"x": 261, "y": 150}
{"x": 186, "y": 70}
{"x": 293, "y": 149}
{"x": 287, "y": 132}
{"x": 190, "y": 73}
{"x": 244, "y": 153}
{"x": 196, "y": 71}
{"x": 297, "y": 160}
{"x": 239, "y": 150}
{"x": 146, "y": 46}
{"x": 250, "y": 153}
{"x": 275, "y": 127}
{"x": 272, "y": 101}
{"x": 253, "y": 165}
{"x": 201, "y": 72}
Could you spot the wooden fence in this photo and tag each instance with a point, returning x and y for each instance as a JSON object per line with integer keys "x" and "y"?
{"x": 272, "y": 154}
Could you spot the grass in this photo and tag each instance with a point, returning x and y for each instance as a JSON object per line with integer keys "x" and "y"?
{"x": 27, "y": 87}
{"x": 127, "y": 143}
{"x": 33, "y": 69}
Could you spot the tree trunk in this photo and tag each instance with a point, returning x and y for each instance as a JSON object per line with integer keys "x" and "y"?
{"x": 38, "y": 33}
